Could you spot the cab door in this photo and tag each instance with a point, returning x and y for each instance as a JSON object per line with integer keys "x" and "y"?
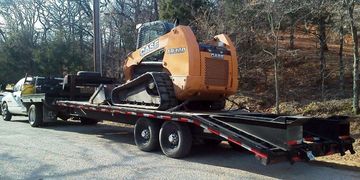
{"x": 15, "y": 105}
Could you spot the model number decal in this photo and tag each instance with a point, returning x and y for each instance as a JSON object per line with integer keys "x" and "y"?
{"x": 149, "y": 47}
{"x": 217, "y": 56}
{"x": 176, "y": 50}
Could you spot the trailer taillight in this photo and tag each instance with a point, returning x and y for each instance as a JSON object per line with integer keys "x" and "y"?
{"x": 344, "y": 137}
{"x": 294, "y": 142}
{"x": 311, "y": 138}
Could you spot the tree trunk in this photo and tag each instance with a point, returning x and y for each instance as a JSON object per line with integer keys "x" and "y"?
{"x": 3, "y": 35}
{"x": 341, "y": 61}
{"x": 276, "y": 75}
{"x": 81, "y": 35}
{"x": 292, "y": 33}
{"x": 277, "y": 103}
{"x": 322, "y": 41}
{"x": 156, "y": 10}
{"x": 137, "y": 11}
{"x": 69, "y": 19}
{"x": 356, "y": 58}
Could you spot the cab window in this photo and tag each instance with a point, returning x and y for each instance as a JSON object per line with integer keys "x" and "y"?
{"x": 150, "y": 33}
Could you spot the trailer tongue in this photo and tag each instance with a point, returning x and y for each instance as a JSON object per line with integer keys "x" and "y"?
{"x": 271, "y": 138}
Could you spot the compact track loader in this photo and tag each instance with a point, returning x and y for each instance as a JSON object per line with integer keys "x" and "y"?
{"x": 170, "y": 67}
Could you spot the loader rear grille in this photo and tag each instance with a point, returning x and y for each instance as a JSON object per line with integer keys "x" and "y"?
{"x": 216, "y": 72}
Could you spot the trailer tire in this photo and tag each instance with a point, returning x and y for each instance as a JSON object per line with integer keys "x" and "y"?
{"x": 175, "y": 139}
{"x": 146, "y": 134}
{"x": 6, "y": 115}
{"x": 35, "y": 115}
{"x": 88, "y": 121}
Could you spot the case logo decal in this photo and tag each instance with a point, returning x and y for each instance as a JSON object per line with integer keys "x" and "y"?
{"x": 149, "y": 47}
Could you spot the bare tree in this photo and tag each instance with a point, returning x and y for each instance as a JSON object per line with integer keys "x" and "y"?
{"x": 341, "y": 49}
{"x": 353, "y": 28}
{"x": 320, "y": 16}
{"x": 276, "y": 16}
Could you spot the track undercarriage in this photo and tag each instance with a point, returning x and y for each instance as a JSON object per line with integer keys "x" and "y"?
{"x": 152, "y": 90}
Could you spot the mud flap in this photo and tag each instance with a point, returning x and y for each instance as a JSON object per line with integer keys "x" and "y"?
{"x": 49, "y": 115}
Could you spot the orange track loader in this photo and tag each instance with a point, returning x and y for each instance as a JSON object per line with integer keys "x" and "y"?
{"x": 170, "y": 67}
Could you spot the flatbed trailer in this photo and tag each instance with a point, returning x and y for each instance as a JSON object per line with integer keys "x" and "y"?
{"x": 272, "y": 138}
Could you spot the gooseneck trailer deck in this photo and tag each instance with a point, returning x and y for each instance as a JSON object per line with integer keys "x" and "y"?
{"x": 271, "y": 138}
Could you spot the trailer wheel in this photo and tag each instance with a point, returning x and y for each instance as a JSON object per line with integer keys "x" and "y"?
{"x": 146, "y": 134}
{"x": 35, "y": 115}
{"x": 88, "y": 121}
{"x": 175, "y": 139}
{"x": 6, "y": 115}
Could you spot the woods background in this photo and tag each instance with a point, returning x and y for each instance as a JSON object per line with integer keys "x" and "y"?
{"x": 291, "y": 53}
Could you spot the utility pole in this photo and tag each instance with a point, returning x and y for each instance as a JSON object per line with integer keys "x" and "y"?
{"x": 97, "y": 41}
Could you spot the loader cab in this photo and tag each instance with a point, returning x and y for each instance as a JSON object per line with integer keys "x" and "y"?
{"x": 149, "y": 31}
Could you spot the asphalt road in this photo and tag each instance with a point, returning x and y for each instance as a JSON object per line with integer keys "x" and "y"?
{"x": 67, "y": 150}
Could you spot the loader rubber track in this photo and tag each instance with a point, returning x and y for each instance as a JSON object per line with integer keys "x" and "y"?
{"x": 163, "y": 99}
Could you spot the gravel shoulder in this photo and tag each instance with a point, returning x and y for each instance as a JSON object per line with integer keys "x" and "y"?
{"x": 67, "y": 150}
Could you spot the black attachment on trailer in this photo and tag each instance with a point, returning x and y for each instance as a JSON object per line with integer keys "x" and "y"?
{"x": 72, "y": 84}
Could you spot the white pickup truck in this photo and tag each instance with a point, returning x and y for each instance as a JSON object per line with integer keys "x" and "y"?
{"x": 12, "y": 103}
